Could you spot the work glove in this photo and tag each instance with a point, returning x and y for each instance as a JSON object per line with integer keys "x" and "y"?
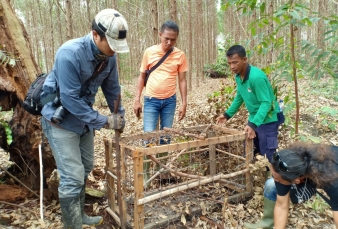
{"x": 116, "y": 122}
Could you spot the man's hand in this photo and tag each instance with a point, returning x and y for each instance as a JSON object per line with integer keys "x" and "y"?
{"x": 116, "y": 122}
{"x": 137, "y": 109}
{"x": 251, "y": 132}
{"x": 221, "y": 120}
{"x": 182, "y": 112}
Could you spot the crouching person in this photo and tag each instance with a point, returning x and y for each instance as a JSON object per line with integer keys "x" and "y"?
{"x": 297, "y": 171}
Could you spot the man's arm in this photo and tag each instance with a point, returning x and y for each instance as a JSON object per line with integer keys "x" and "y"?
{"x": 235, "y": 105}
{"x": 335, "y": 217}
{"x": 139, "y": 88}
{"x": 182, "y": 83}
{"x": 281, "y": 211}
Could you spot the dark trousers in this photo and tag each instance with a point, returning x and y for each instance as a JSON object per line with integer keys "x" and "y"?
{"x": 266, "y": 141}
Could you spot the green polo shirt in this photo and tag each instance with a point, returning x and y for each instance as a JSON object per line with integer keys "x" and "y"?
{"x": 256, "y": 92}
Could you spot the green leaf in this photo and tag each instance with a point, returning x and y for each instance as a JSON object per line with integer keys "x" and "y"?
{"x": 314, "y": 19}
{"x": 262, "y": 7}
{"x": 253, "y": 31}
{"x": 315, "y": 139}
{"x": 332, "y": 126}
{"x": 295, "y": 14}
{"x": 307, "y": 21}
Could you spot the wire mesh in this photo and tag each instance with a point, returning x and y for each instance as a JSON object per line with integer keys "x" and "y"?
{"x": 168, "y": 174}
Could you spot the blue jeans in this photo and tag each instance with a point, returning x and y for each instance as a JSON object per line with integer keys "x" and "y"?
{"x": 74, "y": 157}
{"x": 270, "y": 190}
{"x": 155, "y": 108}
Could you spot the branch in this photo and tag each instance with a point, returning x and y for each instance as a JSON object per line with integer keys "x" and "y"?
{"x": 16, "y": 205}
{"x": 180, "y": 174}
{"x": 204, "y": 132}
{"x": 20, "y": 182}
{"x": 180, "y": 132}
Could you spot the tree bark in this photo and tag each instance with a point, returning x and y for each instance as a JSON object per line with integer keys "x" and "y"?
{"x": 14, "y": 83}
{"x": 154, "y": 21}
{"x": 69, "y": 22}
{"x": 173, "y": 10}
{"x": 189, "y": 74}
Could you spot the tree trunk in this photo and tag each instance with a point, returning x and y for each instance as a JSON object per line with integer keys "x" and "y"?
{"x": 154, "y": 21}
{"x": 69, "y": 22}
{"x": 89, "y": 17}
{"x": 189, "y": 74}
{"x": 173, "y": 10}
{"x": 14, "y": 83}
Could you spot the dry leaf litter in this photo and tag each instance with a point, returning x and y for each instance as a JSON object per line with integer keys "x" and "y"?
{"x": 313, "y": 214}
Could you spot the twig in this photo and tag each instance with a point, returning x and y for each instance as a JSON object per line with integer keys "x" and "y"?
{"x": 225, "y": 206}
{"x": 240, "y": 22}
{"x": 41, "y": 182}
{"x": 16, "y": 205}
{"x": 204, "y": 218}
{"x": 180, "y": 132}
{"x": 204, "y": 132}
{"x": 180, "y": 174}
{"x": 153, "y": 177}
{"x": 162, "y": 169}
{"x": 24, "y": 162}
{"x": 19, "y": 182}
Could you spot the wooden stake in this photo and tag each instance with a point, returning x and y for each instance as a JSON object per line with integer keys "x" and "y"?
{"x": 138, "y": 190}
{"x": 249, "y": 158}
{"x": 111, "y": 177}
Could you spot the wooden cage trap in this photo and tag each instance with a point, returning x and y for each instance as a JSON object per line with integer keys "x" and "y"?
{"x": 162, "y": 175}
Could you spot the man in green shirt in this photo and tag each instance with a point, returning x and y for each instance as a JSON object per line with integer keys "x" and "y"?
{"x": 254, "y": 89}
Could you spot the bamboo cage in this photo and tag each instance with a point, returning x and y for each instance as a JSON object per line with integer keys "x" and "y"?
{"x": 169, "y": 173}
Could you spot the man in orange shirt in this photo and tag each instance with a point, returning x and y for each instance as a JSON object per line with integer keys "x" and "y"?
{"x": 160, "y": 93}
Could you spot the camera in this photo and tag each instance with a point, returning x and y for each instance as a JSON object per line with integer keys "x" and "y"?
{"x": 59, "y": 115}
{"x": 60, "y": 112}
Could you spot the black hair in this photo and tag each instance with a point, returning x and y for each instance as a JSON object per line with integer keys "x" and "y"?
{"x": 236, "y": 49}
{"x": 98, "y": 30}
{"x": 170, "y": 25}
{"x": 311, "y": 160}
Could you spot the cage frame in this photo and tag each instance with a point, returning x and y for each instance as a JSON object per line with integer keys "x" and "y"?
{"x": 137, "y": 154}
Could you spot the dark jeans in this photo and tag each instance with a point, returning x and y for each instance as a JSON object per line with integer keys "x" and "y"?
{"x": 266, "y": 141}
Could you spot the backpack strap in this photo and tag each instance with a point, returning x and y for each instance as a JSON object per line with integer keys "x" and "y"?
{"x": 99, "y": 68}
{"x": 161, "y": 60}
{"x": 156, "y": 65}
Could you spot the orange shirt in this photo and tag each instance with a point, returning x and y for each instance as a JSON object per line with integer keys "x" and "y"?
{"x": 162, "y": 81}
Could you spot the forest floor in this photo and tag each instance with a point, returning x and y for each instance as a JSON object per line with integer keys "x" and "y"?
{"x": 318, "y": 102}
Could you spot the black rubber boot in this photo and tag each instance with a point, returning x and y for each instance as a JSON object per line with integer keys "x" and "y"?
{"x": 71, "y": 212}
{"x": 267, "y": 220}
{"x": 91, "y": 221}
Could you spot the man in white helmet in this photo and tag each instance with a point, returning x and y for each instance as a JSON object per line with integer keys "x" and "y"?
{"x": 70, "y": 120}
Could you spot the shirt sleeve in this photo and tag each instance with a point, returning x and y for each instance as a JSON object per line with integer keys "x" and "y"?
{"x": 184, "y": 65}
{"x": 144, "y": 63}
{"x": 282, "y": 189}
{"x": 69, "y": 82}
{"x": 235, "y": 105}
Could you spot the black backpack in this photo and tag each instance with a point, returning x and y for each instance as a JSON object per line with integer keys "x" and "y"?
{"x": 32, "y": 102}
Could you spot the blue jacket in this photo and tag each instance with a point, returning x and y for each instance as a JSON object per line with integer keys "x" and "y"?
{"x": 74, "y": 65}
